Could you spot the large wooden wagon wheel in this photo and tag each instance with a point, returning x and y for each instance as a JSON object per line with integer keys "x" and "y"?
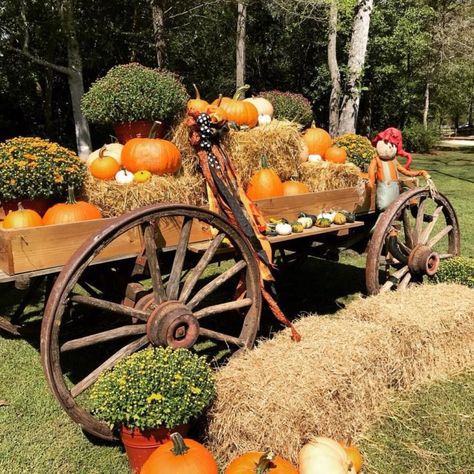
{"x": 411, "y": 237}
{"x": 180, "y": 307}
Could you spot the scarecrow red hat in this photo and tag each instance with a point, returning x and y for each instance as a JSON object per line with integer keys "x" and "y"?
{"x": 394, "y": 136}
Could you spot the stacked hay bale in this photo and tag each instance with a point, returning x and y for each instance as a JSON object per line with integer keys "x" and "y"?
{"x": 337, "y": 380}
{"x": 279, "y": 141}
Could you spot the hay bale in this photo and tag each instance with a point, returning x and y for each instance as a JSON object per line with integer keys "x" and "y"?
{"x": 337, "y": 380}
{"x": 325, "y": 176}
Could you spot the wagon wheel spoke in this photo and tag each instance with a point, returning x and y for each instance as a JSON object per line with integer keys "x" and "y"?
{"x": 429, "y": 228}
{"x": 216, "y": 283}
{"x": 408, "y": 228}
{"x": 394, "y": 278}
{"x": 442, "y": 233}
{"x": 175, "y": 274}
{"x": 125, "y": 351}
{"x": 405, "y": 281}
{"x": 153, "y": 265}
{"x": 419, "y": 220}
{"x": 124, "y": 331}
{"x": 198, "y": 270}
{"x": 109, "y": 306}
{"x": 221, "y": 308}
{"x": 444, "y": 256}
{"x": 221, "y": 337}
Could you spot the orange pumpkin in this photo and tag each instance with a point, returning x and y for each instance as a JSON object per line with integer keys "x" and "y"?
{"x": 22, "y": 218}
{"x": 354, "y": 455}
{"x": 256, "y": 462}
{"x": 156, "y": 155}
{"x": 71, "y": 211}
{"x": 104, "y": 167}
{"x": 317, "y": 140}
{"x": 216, "y": 113}
{"x": 239, "y": 111}
{"x": 180, "y": 456}
{"x": 197, "y": 104}
{"x": 335, "y": 154}
{"x": 265, "y": 183}
{"x": 292, "y": 187}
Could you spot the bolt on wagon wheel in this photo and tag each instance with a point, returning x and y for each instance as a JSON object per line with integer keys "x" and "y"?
{"x": 181, "y": 300}
{"x": 411, "y": 237}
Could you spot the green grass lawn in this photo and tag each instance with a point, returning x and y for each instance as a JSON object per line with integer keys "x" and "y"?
{"x": 428, "y": 431}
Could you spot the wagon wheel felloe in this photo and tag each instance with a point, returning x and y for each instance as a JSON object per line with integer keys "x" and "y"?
{"x": 411, "y": 238}
{"x": 180, "y": 301}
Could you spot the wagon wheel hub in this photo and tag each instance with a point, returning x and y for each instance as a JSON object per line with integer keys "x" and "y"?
{"x": 423, "y": 260}
{"x": 170, "y": 323}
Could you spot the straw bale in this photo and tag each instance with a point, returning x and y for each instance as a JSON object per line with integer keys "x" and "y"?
{"x": 337, "y": 381}
{"x": 325, "y": 176}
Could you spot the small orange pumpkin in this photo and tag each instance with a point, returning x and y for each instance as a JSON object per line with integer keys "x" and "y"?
{"x": 71, "y": 211}
{"x": 293, "y": 187}
{"x": 22, "y": 218}
{"x": 239, "y": 111}
{"x": 197, "y": 104}
{"x": 180, "y": 456}
{"x": 256, "y": 462}
{"x": 317, "y": 140}
{"x": 104, "y": 167}
{"x": 216, "y": 113}
{"x": 354, "y": 455}
{"x": 265, "y": 183}
{"x": 156, "y": 155}
{"x": 335, "y": 154}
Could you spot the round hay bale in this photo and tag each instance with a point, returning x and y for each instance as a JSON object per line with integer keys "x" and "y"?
{"x": 337, "y": 380}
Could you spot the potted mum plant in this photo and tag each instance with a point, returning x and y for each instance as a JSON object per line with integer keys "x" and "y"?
{"x": 131, "y": 96}
{"x": 151, "y": 394}
{"x": 35, "y": 171}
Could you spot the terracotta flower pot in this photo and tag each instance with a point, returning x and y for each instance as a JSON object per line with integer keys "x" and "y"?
{"x": 125, "y": 131}
{"x": 140, "y": 444}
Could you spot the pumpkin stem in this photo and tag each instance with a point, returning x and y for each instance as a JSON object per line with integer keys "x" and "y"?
{"x": 198, "y": 95}
{"x": 152, "y": 132}
{"x": 313, "y": 124}
{"x": 219, "y": 100}
{"x": 239, "y": 91}
{"x": 265, "y": 463}
{"x": 20, "y": 207}
{"x": 179, "y": 447}
{"x": 71, "y": 199}
{"x": 264, "y": 162}
{"x": 102, "y": 151}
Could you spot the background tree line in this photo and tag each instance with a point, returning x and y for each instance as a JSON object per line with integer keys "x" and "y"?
{"x": 418, "y": 66}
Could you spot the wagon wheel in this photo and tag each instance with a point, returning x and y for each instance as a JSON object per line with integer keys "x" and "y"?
{"x": 411, "y": 237}
{"x": 177, "y": 310}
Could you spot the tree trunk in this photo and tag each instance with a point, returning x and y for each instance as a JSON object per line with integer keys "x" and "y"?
{"x": 157, "y": 12}
{"x": 355, "y": 66}
{"x": 240, "y": 45}
{"x": 335, "y": 99}
{"x": 427, "y": 106}
{"x": 469, "y": 117}
{"x": 76, "y": 83}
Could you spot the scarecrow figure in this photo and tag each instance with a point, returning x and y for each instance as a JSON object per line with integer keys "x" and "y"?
{"x": 384, "y": 169}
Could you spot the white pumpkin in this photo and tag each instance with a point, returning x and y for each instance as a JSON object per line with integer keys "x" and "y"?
{"x": 324, "y": 456}
{"x": 110, "y": 149}
{"x": 306, "y": 222}
{"x": 263, "y": 106}
{"x": 264, "y": 119}
{"x": 327, "y": 215}
{"x": 124, "y": 177}
{"x": 314, "y": 158}
{"x": 283, "y": 228}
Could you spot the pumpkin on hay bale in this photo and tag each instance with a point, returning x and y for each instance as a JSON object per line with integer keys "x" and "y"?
{"x": 338, "y": 379}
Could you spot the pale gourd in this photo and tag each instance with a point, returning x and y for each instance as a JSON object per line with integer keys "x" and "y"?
{"x": 110, "y": 149}
{"x": 283, "y": 228}
{"x": 315, "y": 158}
{"x": 324, "y": 456}
{"x": 264, "y": 119}
{"x": 307, "y": 222}
{"x": 124, "y": 177}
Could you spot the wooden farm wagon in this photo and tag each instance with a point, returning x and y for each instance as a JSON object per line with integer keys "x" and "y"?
{"x": 167, "y": 274}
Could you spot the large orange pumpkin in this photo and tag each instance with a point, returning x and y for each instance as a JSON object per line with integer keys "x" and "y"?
{"x": 22, "y": 218}
{"x": 335, "y": 154}
{"x": 155, "y": 155}
{"x": 317, "y": 140}
{"x": 239, "y": 111}
{"x": 180, "y": 456}
{"x": 104, "y": 167}
{"x": 197, "y": 104}
{"x": 71, "y": 211}
{"x": 292, "y": 187}
{"x": 258, "y": 462}
{"x": 265, "y": 183}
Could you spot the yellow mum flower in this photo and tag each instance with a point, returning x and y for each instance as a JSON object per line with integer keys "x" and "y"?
{"x": 155, "y": 397}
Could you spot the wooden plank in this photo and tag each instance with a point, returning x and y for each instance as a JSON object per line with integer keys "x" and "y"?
{"x": 38, "y": 248}
{"x": 335, "y": 229}
{"x": 313, "y": 203}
